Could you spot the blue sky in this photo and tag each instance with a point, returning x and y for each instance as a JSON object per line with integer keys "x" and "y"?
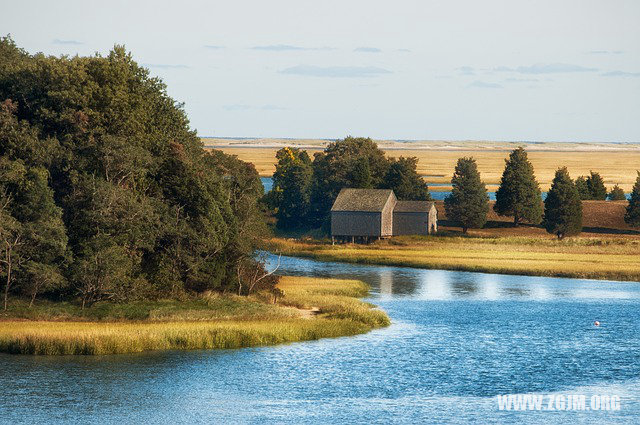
{"x": 436, "y": 70}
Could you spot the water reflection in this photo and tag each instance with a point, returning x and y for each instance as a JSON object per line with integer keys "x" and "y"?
{"x": 456, "y": 340}
{"x": 420, "y": 284}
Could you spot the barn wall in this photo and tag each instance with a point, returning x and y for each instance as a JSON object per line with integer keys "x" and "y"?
{"x": 410, "y": 223}
{"x": 433, "y": 220}
{"x": 387, "y": 216}
{"x": 348, "y": 223}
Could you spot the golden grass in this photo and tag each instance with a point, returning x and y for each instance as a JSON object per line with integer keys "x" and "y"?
{"x": 614, "y": 259}
{"x": 616, "y": 167}
{"x": 340, "y": 314}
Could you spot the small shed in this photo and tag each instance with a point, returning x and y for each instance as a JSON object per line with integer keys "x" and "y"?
{"x": 415, "y": 218}
{"x": 363, "y": 213}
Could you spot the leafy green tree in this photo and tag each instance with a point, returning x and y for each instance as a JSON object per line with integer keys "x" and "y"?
{"x": 115, "y": 175}
{"x": 596, "y": 187}
{"x": 632, "y": 217}
{"x": 403, "y": 178}
{"x": 352, "y": 162}
{"x": 563, "y": 207}
{"x": 519, "y": 194}
{"x": 583, "y": 188}
{"x": 617, "y": 194}
{"x": 468, "y": 202}
{"x": 290, "y": 197}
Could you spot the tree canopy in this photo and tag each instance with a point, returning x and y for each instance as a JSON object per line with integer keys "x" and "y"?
{"x": 563, "y": 207}
{"x": 632, "y": 216}
{"x": 403, "y": 178}
{"x": 617, "y": 194}
{"x": 354, "y": 162}
{"x": 595, "y": 183}
{"x": 468, "y": 203}
{"x": 519, "y": 194}
{"x": 290, "y": 197}
{"x": 99, "y": 166}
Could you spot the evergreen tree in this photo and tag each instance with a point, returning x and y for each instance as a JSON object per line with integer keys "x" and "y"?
{"x": 563, "y": 207}
{"x": 617, "y": 194}
{"x": 468, "y": 202}
{"x": 597, "y": 190}
{"x": 632, "y": 217}
{"x": 403, "y": 178}
{"x": 291, "y": 193}
{"x": 583, "y": 188}
{"x": 519, "y": 194}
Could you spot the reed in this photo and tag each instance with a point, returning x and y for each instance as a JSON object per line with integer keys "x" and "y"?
{"x": 610, "y": 259}
{"x": 339, "y": 313}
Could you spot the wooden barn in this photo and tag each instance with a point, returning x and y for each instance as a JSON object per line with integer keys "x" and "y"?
{"x": 363, "y": 213}
{"x": 415, "y": 218}
{"x": 376, "y": 213}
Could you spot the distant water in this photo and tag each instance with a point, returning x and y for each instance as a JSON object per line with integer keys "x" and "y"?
{"x": 457, "y": 340}
{"x": 267, "y": 182}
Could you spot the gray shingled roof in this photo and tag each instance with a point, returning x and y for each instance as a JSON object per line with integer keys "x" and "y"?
{"x": 370, "y": 200}
{"x": 412, "y": 206}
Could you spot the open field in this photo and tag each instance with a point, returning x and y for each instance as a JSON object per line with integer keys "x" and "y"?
{"x": 310, "y": 309}
{"x": 616, "y": 163}
{"x": 593, "y": 258}
{"x": 600, "y": 219}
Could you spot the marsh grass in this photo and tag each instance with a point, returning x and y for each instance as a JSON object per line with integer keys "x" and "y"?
{"x": 214, "y": 322}
{"x": 615, "y": 166}
{"x": 611, "y": 259}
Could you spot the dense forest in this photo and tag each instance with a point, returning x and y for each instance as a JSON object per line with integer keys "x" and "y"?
{"x": 105, "y": 191}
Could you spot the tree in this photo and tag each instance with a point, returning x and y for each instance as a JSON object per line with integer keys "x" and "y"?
{"x": 11, "y": 238}
{"x": 468, "y": 202}
{"x": 632, "y": 217}
{"x": 41, "y": 277}
{"x": 597, "y": 190}
{"x": 617, "y": 194}
{"x": 110, "y": 188}
{"x": 291, "y": 194}
{"x": 354, "y": 162}
{"x": 563, "y": 207}
{"x": 519, "y": 194}
{"x": 403, "y": 178}
{"x": 583, "y": 188}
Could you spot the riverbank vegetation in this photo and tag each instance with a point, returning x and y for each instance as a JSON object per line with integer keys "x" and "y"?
{"x": 592, "y": 258}
{"x": 305, "y": 309}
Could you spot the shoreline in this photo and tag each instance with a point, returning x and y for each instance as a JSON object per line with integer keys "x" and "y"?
{"x": 506, "y": 255}
{"x": 312, "y": 308}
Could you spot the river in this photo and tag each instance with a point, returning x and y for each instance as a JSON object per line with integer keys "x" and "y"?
{"x": 457, "y": 340}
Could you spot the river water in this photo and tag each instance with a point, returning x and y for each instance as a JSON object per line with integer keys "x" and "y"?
{"x": 457, "y": 340}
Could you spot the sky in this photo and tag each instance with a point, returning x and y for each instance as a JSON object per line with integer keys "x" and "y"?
{"x": 504, "y": 70}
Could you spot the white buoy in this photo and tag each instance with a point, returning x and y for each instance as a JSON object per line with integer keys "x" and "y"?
{"x": 596, "y": 323}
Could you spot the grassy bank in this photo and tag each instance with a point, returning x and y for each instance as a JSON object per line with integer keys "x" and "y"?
{"x": 310, "y": 309}
{"x": 591, "y": 258}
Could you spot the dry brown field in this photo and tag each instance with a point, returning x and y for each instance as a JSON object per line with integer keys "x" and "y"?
{"x": 617, "y": 166}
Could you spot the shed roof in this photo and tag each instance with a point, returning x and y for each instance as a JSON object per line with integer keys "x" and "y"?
{"x": 369, "y": 200}
{"x": 412, "y": 206}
